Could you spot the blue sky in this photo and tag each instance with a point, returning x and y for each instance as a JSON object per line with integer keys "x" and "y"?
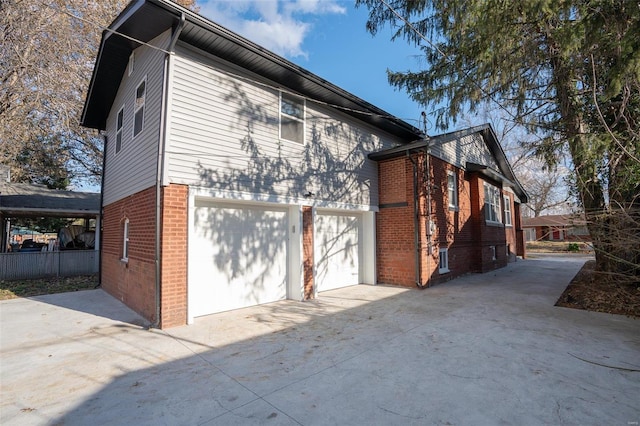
{"x": 328, "y": 38}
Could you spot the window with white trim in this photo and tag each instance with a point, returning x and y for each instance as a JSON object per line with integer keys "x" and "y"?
{"x": 452, "y": 189}
{"x": 132, "y": 62}
{"x": 138, "y": 117}
{"x": 125, "y": 240}
{"x": 119, "y": 122}
{"x": 507, "y": 210}
{"x": 291, "y": 118}
{"x": 443, "y": 262}
{"x": 492, "y": 203}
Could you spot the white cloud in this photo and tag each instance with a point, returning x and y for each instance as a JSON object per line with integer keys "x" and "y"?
{"x": 278, "y": 25}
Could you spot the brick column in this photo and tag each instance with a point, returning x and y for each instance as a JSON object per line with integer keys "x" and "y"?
{"x": 307, "y": 251}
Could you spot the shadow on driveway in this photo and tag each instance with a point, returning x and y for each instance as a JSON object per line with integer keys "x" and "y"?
{"x": 482, "y": 349}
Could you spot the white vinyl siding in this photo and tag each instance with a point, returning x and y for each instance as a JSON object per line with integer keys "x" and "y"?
{"x": 135, "y": 167}
{"x": 471, "y": 148}
{"x": 492, "y": 203}
{"x": 224, "y": 135}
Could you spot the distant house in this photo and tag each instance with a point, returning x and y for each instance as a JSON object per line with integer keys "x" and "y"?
{"x": 559, "y": 227}
{"x": 233, "y": 177}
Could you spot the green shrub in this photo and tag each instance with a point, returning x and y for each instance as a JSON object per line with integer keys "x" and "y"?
{"x": 573, "y": 247}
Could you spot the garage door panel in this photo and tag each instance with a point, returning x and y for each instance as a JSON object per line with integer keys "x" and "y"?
{"x": 336, "y": 249}
{"x": 238, "y": 257}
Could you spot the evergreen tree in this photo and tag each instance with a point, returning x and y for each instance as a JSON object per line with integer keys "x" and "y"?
{"x": 567, "y": 69}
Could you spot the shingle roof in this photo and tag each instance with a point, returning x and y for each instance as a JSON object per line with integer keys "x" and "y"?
{"x": 145, "y": 19}
{"x": 554, "y": 220}
{"x": 24, "y": 199}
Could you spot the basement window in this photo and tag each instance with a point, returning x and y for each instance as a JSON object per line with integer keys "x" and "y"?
{"x": 125, "y": 241}
{"x": 443, "y": 262}
{"x": 291, "y": 118}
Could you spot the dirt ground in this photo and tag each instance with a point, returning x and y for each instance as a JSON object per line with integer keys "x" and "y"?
{"x": 594, "y": 291}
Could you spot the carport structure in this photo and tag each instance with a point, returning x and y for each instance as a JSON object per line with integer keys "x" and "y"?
{"x": 23, "y": 200}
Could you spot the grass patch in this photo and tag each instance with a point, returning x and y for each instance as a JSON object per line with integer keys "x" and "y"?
{"x": 558, "y": 247}
{"x": 28, "y": 288}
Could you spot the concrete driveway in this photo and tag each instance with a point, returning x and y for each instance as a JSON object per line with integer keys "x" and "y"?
{"x": 482, "y": 349}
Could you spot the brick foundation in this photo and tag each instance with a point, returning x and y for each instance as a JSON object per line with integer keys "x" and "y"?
{"x": 134, "y": 281}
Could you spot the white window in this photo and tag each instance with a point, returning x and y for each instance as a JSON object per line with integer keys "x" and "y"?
{"x": 507, "y": 210}
{"x": 452, "y": 189}
{"x": 443, "y": 265}
{"x": 119, "y": 121}
{"x": 492, "y": 203}
{"x": 291, "y": 118}
{"x": 138, "y": 123}
{"x": 132, "y": 62}
{"x": 125, "y": 241}
{"x": 493, "y": 252}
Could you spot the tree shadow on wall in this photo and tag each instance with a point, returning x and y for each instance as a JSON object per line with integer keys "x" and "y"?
{"x": 332, "y": 165}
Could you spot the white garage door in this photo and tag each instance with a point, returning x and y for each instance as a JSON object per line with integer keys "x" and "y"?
{"x": 336, "y": 250}
{"x": 237, "y": 257}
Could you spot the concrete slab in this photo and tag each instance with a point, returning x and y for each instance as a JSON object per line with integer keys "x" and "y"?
{"x": 482, "y": 349}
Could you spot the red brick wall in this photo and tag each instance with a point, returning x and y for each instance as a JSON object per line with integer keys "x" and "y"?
{"x": 174, "y": 249}
{"x": 456, "y": 229}
{"x": 395, "y": 249}
{"x": 131, "y": 282}
{"x": 134, "y": 282}
{"x": 307, "y": 251}
{"x": 463, "y": 231}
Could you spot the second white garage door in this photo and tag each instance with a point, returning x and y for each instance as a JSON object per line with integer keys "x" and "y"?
{"x": 237, "y": 256}
{"x": 337, "y": 250}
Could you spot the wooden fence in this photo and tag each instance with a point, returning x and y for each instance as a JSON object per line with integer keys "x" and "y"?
{"x": 30, "y": 265}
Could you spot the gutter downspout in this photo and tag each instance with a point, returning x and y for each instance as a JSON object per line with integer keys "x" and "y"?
{"x": 416, "y": 224}
{"x": 160, "y": 169}
{"x": 101, "y": 249}
{"x": 429, "y": 222}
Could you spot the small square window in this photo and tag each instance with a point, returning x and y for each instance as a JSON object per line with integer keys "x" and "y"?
{"x": 443, "y": 263}
{"x": 138, "y": 123}
{"x": 291, "y": 118}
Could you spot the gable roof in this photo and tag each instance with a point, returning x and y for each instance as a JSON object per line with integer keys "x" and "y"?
{"x": 28, "y": 200}
{"x": 554, "y": 220}
{"x": 144, "y": 20}
{"x": 505, "y": 174}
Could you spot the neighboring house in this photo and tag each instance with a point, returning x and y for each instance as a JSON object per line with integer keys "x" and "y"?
{"x": 557, "y": 227}
{"x": 233, "y": 177}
